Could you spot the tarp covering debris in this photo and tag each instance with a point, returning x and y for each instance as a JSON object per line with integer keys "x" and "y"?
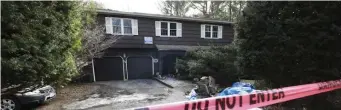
{"x": 192, "y": 95}
{"x": 237, "y": 88}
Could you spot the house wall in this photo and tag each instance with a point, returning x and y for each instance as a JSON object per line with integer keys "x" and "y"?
{"x": 130, "y": 46}
{"x": 190, "y": 34}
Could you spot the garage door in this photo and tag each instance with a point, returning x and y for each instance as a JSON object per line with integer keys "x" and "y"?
{"x": 139, "y": 67}
{"x": 108, "y": 68}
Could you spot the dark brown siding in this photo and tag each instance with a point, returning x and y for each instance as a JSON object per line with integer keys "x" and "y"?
{"x": 190, "y": 34}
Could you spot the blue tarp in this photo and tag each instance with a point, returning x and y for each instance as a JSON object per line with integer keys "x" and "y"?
{"x": 237, "y": 88}
{"x": 192, "y": 95}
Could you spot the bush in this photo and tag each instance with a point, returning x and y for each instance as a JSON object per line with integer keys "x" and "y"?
{"x": 291, "y": 43}
{"x": 38, "y": 41}
{"x": 217, "y": 61}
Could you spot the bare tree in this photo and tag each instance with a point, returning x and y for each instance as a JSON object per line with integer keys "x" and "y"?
{"x": 202, "y": 7}
{"x": 233, "y": 10}
{"x": 241, "y": 5}
{"x": 94, "y": 42}
{"x": 209, "y": 9}
{"x": 175, "y": 8}
{"x": 223, "y": 10}
{"x": 230, "y": 10}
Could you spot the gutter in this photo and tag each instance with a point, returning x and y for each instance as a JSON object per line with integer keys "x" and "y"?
{"x": 147, "y": 15}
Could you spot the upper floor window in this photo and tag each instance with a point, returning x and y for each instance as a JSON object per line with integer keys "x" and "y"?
{"x": 168, "y": 29}
{"x": 121, "y": 26}
{"x": 211, "y": 31}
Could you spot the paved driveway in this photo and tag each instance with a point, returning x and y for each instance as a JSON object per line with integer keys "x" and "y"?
{"x": 117, "y": 95}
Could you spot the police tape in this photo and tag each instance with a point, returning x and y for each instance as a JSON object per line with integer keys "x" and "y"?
{"x": 252, "y": 100}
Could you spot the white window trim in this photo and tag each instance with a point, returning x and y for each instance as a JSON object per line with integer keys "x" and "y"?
{"x": 211, "y": 32}
{"x": 122, "y": 26}
{"x": 168, "y": 29}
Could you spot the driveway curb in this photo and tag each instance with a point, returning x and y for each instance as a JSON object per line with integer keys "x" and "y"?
{"x": 162, "y": 82}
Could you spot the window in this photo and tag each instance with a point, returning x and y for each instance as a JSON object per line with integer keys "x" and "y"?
{"x": 168, "y": 29}
{"x": 211, "y": 31}
{"x": 164, "y": 28}
{"x": 172, "y": 30}
{"x": 121, "y": 26}
{"x": 127, "y": 26}
{"x": 214, "y": 31}
{"x": 207, "y": 31}
{"x": 116, "y": 23}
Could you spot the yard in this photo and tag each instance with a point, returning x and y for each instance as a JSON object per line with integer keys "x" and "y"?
{"x": 116, "y": 95}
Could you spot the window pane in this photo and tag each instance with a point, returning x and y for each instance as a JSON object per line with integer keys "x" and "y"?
{"x": 164, "y": 25}
{"x": 116, "y": 25}
{"x": 164, "y": 32}
{"x": 117, "y": 29}
{"x": 215, "y": 28}
{"x": 127, "y": 22}
{"x": 215, "y": 35}
{"x": 127, "y": 26}
{"x": 116, "y": 22}
{"x": 207, "y": 28}
{"x": 127, "y": 30}
{"x": 172, "y": 25}
{"x": 172, "y": 32}
{"x": 208, "y": 34}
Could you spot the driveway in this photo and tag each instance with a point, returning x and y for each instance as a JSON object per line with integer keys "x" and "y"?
{"x": 117, "y": 95}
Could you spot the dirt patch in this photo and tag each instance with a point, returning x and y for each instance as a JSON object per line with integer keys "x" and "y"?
{"x": 141, "y": 93}
{"x": 105, "y": 91}
{"x": 160, "y": 95}
{"x": 68, "y": 94}
{"x": 157, "y": 97}
{"x": 154, "y": 99}
{"x": 115, "y": 95}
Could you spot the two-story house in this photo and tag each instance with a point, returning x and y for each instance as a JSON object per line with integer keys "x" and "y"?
{"x": 150, "y": 43}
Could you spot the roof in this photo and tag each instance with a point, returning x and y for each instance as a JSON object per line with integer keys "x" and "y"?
{"x": 179, "y": 47}
{"x": 148, "y": 15}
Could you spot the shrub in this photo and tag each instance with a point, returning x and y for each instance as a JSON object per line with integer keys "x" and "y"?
{"x": 291, "y": 43}
{"x": 217, "y": 61}
{"x": 38, "y": 41}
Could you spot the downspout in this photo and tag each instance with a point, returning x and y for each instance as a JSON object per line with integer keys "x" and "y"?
{"x": 93, "y": 70}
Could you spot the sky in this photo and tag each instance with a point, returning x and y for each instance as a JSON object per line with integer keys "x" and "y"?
{"x": 143, "y": 6}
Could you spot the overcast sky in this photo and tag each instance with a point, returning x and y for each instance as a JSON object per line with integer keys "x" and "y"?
{"x": 144, "y": 6}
